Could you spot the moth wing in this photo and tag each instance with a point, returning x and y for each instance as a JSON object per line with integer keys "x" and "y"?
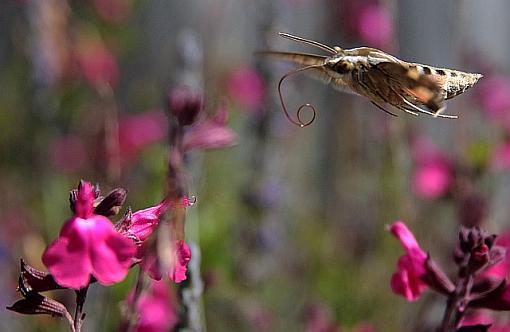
{"x": 418, "y": 89}
{"x": 301, "y": 59}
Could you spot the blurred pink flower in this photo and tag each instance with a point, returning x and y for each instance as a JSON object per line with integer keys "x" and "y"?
{"x": 501, "y": 157}
{"x": 410, "y": 267}
{"x": 181, "y": 254}
{"x": 156, "y": 309}
{"x": 68, "y": 153}
{"x": 432, "y": 179}
{"x": 375, "y": 25}
{"x": 113, "y": 11}
{"x": 139, "y": 131}
{"x": 494, "y": 97}
{"x": 246, "y": 86}
{"x": 433, "y": 174}
{"x": 97, "y": 63}
{"x": 88, "y": 245}
{"x": 211, "y": 133}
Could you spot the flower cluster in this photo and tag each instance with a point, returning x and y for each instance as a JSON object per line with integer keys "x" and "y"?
{"x": 90, "y": 248}
{"x": 476, "y": 287}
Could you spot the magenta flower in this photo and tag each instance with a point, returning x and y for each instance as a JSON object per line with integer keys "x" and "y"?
{"x": 156, "y": 309}
{"x": 137, "y": 132}
{"x": 181, "y": 258}
{"x": 375, "y": 25}
{"x": 210, "y": 133}
{"x": 140, "y": 225}
{"x": 432, "y": 179}
{"x": 88, "y": 245}
{"x": 246, "y": 86}
{"x": 407, "y": 281}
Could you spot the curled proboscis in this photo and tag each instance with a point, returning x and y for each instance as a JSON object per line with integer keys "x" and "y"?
{"x": 299, "y": 122}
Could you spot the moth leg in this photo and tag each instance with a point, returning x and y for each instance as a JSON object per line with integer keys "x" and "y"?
{"x": 384, "y": 110}
{"x": 436, "y": 115}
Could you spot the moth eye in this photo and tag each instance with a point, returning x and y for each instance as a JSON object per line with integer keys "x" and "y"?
{"x": 343, "y": 67}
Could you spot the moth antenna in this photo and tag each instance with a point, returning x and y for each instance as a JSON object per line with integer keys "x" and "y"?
{"x": 309, "y": 42}
{"x": 299, "y": 121}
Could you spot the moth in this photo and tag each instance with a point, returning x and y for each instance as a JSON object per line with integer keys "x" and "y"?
{"x": 382, "y": 78}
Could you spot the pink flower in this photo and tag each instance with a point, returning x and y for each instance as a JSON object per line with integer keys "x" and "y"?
{"x": 246, "y": 86}
{"x": 375, "y": 25}
{"x": 88, "y": 245}
{"x": 494, "y": 97}
{"x": 210, "y": 133}
{"x": 181, "y": 258}
{"x": 410, "y": 267}
{"x": 433, "y": 175}
{"x": 97, "y": 63}
{"x": 185, "y": 105}
{"x": 156, "y": 309}
{"x": 137, "y": 132}
{"x": 432, "y": 179}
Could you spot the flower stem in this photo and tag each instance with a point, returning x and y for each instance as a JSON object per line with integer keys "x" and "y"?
{"x": 79, "y": 315}
{"x": 131, "y": 315}
{"x": 457, "y": 304}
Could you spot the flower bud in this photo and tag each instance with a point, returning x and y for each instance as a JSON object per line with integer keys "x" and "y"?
{"x": 185, "y": 105}
{"x": 112, "y": 203}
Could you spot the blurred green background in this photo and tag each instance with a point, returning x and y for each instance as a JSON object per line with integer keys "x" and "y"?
{"x": 290, "y": 222}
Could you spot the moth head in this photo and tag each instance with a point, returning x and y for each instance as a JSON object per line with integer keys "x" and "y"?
{"x": 339, "y": 65}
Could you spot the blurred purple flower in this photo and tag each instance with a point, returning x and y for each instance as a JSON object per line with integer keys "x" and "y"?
{"x": 96, "y": 63}
{"x": 88, "y": 245}
{"x": 139, "y": 131}
{"x": 245, "y": 85}
{"x": 407, "y": 281}
{"x": 210, "y": 133}
{"x": 113, "y": 11}
{"x": 494, "y": 97}
{"x": 375, "y": 25}
{"x": 68, "y": 153}
{"x": 156, "y": 309}
{"x": 185, "y": 105}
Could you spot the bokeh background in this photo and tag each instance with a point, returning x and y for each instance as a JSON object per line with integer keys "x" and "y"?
{"x": 290, "y": 222}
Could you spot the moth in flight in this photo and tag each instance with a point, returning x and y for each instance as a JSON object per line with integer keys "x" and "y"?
{"x": 384, "y": 79}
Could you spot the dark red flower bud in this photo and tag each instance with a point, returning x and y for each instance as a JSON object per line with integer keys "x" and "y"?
{"x": 112, "y": 203}
{"x": 35, "y": 280}
{"x": 185, "y": 105}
